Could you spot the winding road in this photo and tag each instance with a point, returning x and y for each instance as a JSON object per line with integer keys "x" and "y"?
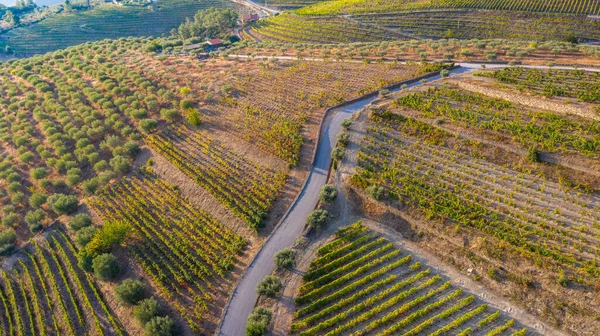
{"x": 244, "y": 295}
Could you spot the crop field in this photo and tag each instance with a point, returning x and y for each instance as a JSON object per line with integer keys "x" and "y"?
{"x": 287, "y": 4}
{"x": 467, "y": 24}
{"x": 184, "y": 251}
{"x": 46, "y": 293}
{"x": 360, "y": 284}
{"x": 247, "y": 188}
{"x": 105, "y": 22}
{"x": 295, "y": 28}
{"x": 579, "y": 84}
{"x": 584, "y": 7}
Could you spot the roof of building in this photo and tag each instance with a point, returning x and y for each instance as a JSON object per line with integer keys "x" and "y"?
{"x": 214, "y": 41}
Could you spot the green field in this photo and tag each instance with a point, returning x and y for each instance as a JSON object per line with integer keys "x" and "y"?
{"x": 105, "y": 22}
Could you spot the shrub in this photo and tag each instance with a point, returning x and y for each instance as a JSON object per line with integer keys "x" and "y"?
{"x": 130, "y": 291}
{"x": 285, "y": 258}
{"x": 160, "y": 326}
{"x": 317, "y": 218}
{"x": 34, "y": 220}
{"x": 106, "y": 267}
{"x": 193, "y": 117}
{"x": 343, "y": 139}
{"x": 9, "y": 220}
{"x": 186, "y": 104}
{"x": 328, "y": 193}
{"x": 39, "y": 173}
{"x": 37, "y": 200}
{"x": 100, "y": 166}
{"x": 17, "y": 198}
{"x": 346, "y": 123}
{"x": 146, "y": 309}
{"x": 338, "y": 153}
{"x": 270, "y": 286}
{"x": 111, "y": 234}
{"x": 148, "y": 125}
{"x": 258, "y": 321}
{"x": 169, "y": 114}
{"x": 90, "y": 186}
{"x": 80, "y": 221}
{"x": 84, "y": 236}
{"x": 375, "y": 191}
{"x": 445, "y": 73}
{"x": 63, "y": 204}
{"x": 7, "y": 241}
{"x": 533, "y": 155}
{"x": 120, "y": 164}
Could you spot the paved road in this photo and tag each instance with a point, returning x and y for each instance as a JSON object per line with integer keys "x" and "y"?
{"x": 244, "y": 296}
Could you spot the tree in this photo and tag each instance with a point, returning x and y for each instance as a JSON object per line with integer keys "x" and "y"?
{"x": 106, "y": 267}
{"x": 258, "y": 321}
{"x": 63, "y": 204}
{"x": 120, "y": 164}
{"x": 39, "y": 173}
{"x": 160, "y": 326}
{"x": 34, "y": 220}
{"x": 146, "y": 309}
{"x": 84, "y": 236}
{"x": 375, "y": 191}
{"x": 10, "y": 19}
{"x": 270, "y": 286}
{"x": 7, "y": 241}
{"x": 343, "y": 139}
{"x": 346, "y": 123}
{"x": 338, "y": 153}
{"x": 186, "y": 104}
{"x": 109, "y": 235}
{"x": 80, "y": 221}
{"x": 169, "y": 114}
{"x": 130, "y": 292}
{"x": 148, "y": 125}
{"x": 285, "y": 258}
{"x": 37, "y": 200}
{"x": 328, "y": 193}
{"x": 193, "y": 117}
{"x": 317, "y": 218}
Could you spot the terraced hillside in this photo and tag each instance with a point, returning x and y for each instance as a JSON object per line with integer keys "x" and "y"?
{"x": 502, "y": 181}
{"x": 104, "y": 22}
{"x": 360, "y": 284}
{"x": 337, "y": 7}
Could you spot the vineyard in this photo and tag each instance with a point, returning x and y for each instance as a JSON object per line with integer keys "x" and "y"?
{"x": 542, "y": 130}
{"x": 46, "y": 293}
{"x": 466, "y": 24}
{"x": 360, "y": 284}
{"x": 582, "y": 85}
{"x": 297, "y": 29}
{"x": 247, "y": 188}
{"x": 104, "y": 22}
{"x": 582, "y": 7}
{"x": 184, "y": 251}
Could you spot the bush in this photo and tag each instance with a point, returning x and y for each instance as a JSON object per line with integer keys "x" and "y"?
{"x": 100, "y": 166}
{"x": 193, "y": 117}
{"x": 37, "y": 200}
{"x": 80, "y": 221}
{"x": 169, "y": 114}
{"x": 34, "y": 220}
{"x": 84, "y": 236}
{"x": 186, "y": 104}
{"x": 106, "y": 267}
{"x": 285, "y": 258}
{"x": 130, "y": 291}
{"x": 375, "y": 191}
{"x": 120, "y": 164}
{"x": 338, "y": 153}
{"x": 343, "y": 139}
{"x": 148, "y": 125}
{"x": 160, "y": 326}
{"x": 39, "y": 173}
{"x": 328, "y": 193}
{"x": 63, "y": 204}
{"x": 317, "y": 218}
{"x": 90, "y": 186}
{"x": 346, "y": 123}
{"x": 146, "y": 309}
{"x": 10, "y": 220}
{"x": 270, "y": 286}
{"x": 533, "y": 155}
{"x": 7, "y": 241}
{"x": 109, "y": 235}
{"x": 258, "y": 322}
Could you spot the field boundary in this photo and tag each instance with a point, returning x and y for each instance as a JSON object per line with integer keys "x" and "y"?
{"x": 318, "y": 139}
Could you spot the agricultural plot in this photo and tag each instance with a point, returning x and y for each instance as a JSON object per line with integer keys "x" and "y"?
{"x": 543, "y": 131}
{"x": 247, "y": 188}
{"x": 579, "y": 84}
{"x": 186, "y": 253}
{"x": 46, "y": 293}
{"x": 468, "y": 24}
{"x": 105, "y": 22}
{"x": 582, "y": 7}
{"x": 287, "y": 4}
{"x": 360, "y": 284}
{"x": 297, "y": 29}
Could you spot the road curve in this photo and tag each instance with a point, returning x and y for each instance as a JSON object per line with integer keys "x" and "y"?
{"x": 244, "y": 296}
